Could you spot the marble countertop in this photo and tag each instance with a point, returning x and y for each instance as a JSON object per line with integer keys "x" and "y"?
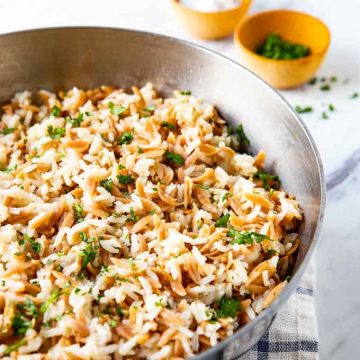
{"x": 338, "y": 140}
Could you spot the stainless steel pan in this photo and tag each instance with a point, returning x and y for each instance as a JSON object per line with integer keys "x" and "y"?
{"x": 87, "y": 57}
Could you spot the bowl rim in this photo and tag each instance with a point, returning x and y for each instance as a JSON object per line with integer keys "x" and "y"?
{"x": 252, "y": 53}
{"x": 229, "y": 11}
{"x": 271, "y": 311}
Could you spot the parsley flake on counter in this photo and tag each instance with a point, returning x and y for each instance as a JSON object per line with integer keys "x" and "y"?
{"x": 302, "y": 110}
{"x": 325, "y": 87}
{"x": 354, "y": 95}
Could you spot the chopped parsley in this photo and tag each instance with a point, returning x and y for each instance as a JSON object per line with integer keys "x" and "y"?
{"x": 126, "y": 138}
{"x": 15, "y": 346}
{"x": 52, "y": 298}
{"x": 266, "y": 178}
{"x": 246, "y": 237}
{"x": 106, "y": 184}
{"x": 241, "y": 137}
{"x": 125, "y": 179}
{"x": 324, "y": 115}
{"x": 55, "y": 133}
{"x": 222, "y": 222}
{"x": 185, "y": 92}
{"x": 313, "y": 81}
{"x": 228, "y": 307}
{"x": 133, "y": 217}
{"x": 325, "y": 87}
{"x": 20, "y": 325}
{"x": 29, "y": 308}
{"x": 35, "y": 246}
{"x": 333, "y": 79}
{"x": 174, "y": 158}
{"x": 168, "y": 125}
{"x": 88, "y": 255}
{"x": 76, "y": 122}
{"x": 302, "y": 110}
{"x": 78, "y": 212}
{"x": 331, "y": 107}
{"x": 354, "y": 95}
{"x": 275, "y": 47}
{"x": 55, "y": 111}
{"x": 121, "y": 167}
{"x": 8, "y": 131}
{"x": 116, "y": 109}
{"x": 147, "y": 111}
{"x": 203, "y": 187}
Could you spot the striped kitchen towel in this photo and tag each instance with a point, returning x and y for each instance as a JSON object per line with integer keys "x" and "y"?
{"x": 293, "y": 334}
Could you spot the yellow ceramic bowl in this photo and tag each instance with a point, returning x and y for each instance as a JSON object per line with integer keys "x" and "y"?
{"x": 292, "y": 26}
{"x": 210, "y": 25}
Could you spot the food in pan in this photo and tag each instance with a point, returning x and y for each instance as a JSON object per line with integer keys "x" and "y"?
{"x": 133, "y": 226}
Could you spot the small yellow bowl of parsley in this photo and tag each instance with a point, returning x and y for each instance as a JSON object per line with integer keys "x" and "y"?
{"x": 283, "y": 47}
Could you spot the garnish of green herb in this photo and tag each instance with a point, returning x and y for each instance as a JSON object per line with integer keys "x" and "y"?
{"x": 275, "y": 47}
{"x": 243, "y": 140}
{"x": 313, "y": 81}
{"x": 35, "y": 246}
{"x": 203, "y": 187}
{"x": 324, "y": 115}
{"x": 185, "y": 92}
{"x": 106, "y": 184}
{"x": 116, "y": 109}
{"x": 29, "y": 308}
{"x": 52, "y": 298}
{"x": 228, "y": 307}
{"x": 325, "y": 87}
{"x": 55, "y": 133}
{"x": 302, "y": 110}
{"x": 354, "y": 95}
{"x": 121, "y": 167}
{"x": 174, "y": 158}
{"x": 15, "y": 346}
{"x": 88, "y": 255}
{"x": 133, "y": 217}
{"x": 168, "y": 125}
{"x": 83, "y": 237}
{"x": 266, "y": 177}
{"x": 76, "y": 122}
{"x": 8, "y": 131}
{"x": 246, "y": 237}
{"x": 331, "y": 107}
{"x": 126, "y": 138}
{"x": 78, "y": 212}
{"x": 333, "y": 79}
{"x": 147, "y": 111}
{"x": 125, "y": 179}
{"x": 55, "y": 111}
{"x": 222, "y": 221}
{"x": 20, "y": 325}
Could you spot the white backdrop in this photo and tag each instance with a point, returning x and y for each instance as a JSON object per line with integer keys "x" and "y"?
{"x": 338, "y": 138}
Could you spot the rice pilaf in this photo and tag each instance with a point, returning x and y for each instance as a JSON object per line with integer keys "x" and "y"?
{"x": 133, "y": 226}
